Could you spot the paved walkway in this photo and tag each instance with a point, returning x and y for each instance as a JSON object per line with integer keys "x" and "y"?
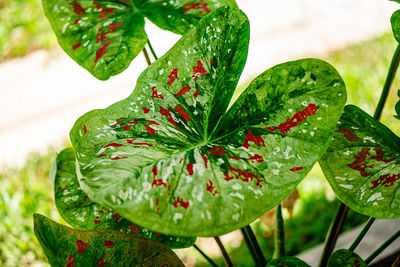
{"x": 43, "y": 94}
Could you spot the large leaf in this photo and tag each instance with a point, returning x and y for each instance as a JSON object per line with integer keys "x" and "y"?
{"x": 81, "y": 213}
{"x": 159, "y": 158}
{"x": 362, "y": 165}
{"x": 104, "y": 36}
{"x": 395, "y": 21}
{"x": 65, "y": 246}
{"x": 287, "y": 262}
{"x": 345, "y": 258}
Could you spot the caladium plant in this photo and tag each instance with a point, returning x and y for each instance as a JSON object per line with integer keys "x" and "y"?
{"x": 172, "y": 158}
{"x": 104, "y": 36}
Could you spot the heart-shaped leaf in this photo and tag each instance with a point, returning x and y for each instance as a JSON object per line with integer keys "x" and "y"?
{"x": 81, "y": 213}
{"x": 395, "y": 21}
{"x": 159, "y": 158}
{"x": 104, "y": 36}
{"x": 65, "y": 246}
{"x": 362, "y": 165}
{"x": 287, "y": 262}
{"x": 345, "y": 258}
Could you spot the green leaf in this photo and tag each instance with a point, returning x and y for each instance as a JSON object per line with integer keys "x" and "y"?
{"x": 159, "y": 158}
{"x": 81, "y": 213}
{"x": 345, "y": 258}
{"x": 395, "y": 21}
{"x": 362, "y": 165}
{"x": 65, "y": 246}
{"x": 104, "y": 36}
{"x": 179, "y": 15}
{"x": 397, "y": 107}
{"x": 287, "y": 262}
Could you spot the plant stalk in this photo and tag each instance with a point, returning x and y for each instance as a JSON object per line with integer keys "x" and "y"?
{"x": 224, "y": 252}
{"x": 210, "y": 261}
{"x": 279, "y": 240}
{"x": 250, "y": 246}
{"x": 389, "y": 79}
{"x": 253, "y": 246}
{"x": 146, "y": 56}
{"x": 382, "y": 247}
{"x": 151, "y": 49}
{"x": 396, "y": 263}
{"x": 333, "y": 233}
{"x": 362, "y": 234}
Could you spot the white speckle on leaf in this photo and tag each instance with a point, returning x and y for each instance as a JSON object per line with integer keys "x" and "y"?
{"x": 177, "y": 216}
{"x": 161, "y": 71}
{"x": 319, "y": 118}
{"x": 347, "y": 186}
{"x": 237, "y": 194}
{"x": 369, "y": 138}
{"x": 237, "y": 186}
{"x": 341, "y": 178}
{"x": 312, "y": 133}
{"x": 290, "y": 110}
{"x": 376, "y": 196}
{"x": 235, "y": 217}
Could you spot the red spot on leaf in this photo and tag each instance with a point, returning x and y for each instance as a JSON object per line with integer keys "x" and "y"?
{"x": 189, "y": 168}
{"x": 116, "y": 216}
{"x": 134, "y": 229}
{"x": 386, "y": 180}
{"x": 234, "y": 157}
{"x": 78, "y": 10}
{"x": 101, "y": 263}
{"x": 86, "y": 198}
{"x": 126, "y": 127}
{"x": 242, "y": 175}
{"x": 145, "y": 110}
{"x": 81, "y": 246}
{"x": 295, "y": 169}
{"x": 184, "y": 90}
{"x": 101, "y": 52}
{"x": 103, "y": 11}
{"x": 199, "y": 70}
{"x": 182, "y": 113}
{"x": 202, "y": 6}
{"x": 71, "y": 261}
{"x": 217, "y": 150}
{"x": 173, "y": 76}
{"x": 76, "y": 45}
{"x": 130, "y": 141}
{"x": 251, "y": 138}
{"x": 167, "y": 113}
{"x": 196, "y": 93}
{"x": 205, "y": 159}
{"x": 97, "y": 221}
{"x": 62, "y": 188}
{"x": 158, "y": 206}
{"x": 153, "y": 122}
{"x": 359, "y": 162}
{"x": 257, "y": 158}
{"x": 180, "y": 202}
{"x": 133, "y": 121}
{"x": 102, "y": 36}
{"x": 113, "y": 145}
{"x": 379, "y": 156}
{"x": 157, "y": 182}
{"x": 348, "y": 134}
{"x": 155, "y": 94}
{"x": 211, "y": 188}
{"x": 150, "y": 130}
{"x": 180, "y": 161}
{"x": 154, "y": 170}
{"x": 117, "y": 158}
{"x": 108, "y": 243}
{"x": 295, "y": 120}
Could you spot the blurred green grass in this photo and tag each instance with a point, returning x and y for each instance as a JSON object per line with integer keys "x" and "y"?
{"x": 23, "y": 28}
{"x": 27, "y": 190}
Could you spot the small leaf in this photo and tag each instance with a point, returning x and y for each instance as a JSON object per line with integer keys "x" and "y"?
{"x": 171, "y": 157}
{"x": 363, "y": 165}
{"x": 287, "y": 262}
{"x": 397, "y": 107}
{"x": 81, "y": 213}
{"x": 65, "y": 246}
{"x": 395, "y": 21}
{"x": 345, "y": 258}
{"x": 179, "y": 15}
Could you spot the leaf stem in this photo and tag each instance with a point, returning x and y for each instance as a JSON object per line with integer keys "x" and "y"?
{"x": 362, "y": 234}
{"x": 382, "y": 247}
{"x": 253, "y": 246}
{"x": 210, "y": 261}
{"x": 151, "y": 49}
{"x": 389, "y": 79}
{"x": 333, "y": 233}
{"x": 279, "y": 240}
{"x": 223, "y": 251}
{"x": 146, "y": 55}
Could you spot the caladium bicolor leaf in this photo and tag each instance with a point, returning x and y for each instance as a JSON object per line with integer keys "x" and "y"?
{"x": 363, "y": 165}
{"x": 287, "y": 262}
{"x": 104, "y": 36}
{"x": 397, "y": 107}
{"x": 395, "y": 21}
{"x": 345, "y": 258}
{"x": 65, "y": 246}
{"x": 81, "y": 213}
{"x": 159, "y": 158}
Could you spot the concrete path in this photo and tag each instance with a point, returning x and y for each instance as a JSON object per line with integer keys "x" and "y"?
{"x": 43, "y": 94}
